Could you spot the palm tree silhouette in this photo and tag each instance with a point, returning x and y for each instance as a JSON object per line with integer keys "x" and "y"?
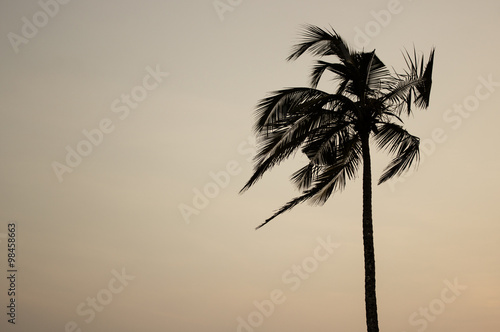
{"x": 334, "y": 129}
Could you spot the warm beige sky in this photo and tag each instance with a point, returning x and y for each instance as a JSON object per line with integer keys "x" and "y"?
{"x": 115, "y": 115}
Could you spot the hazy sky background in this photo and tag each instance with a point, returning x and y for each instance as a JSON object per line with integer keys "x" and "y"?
{"x": 118, "y": 210}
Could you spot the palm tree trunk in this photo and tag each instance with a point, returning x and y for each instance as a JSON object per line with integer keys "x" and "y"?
{"x": 369, "y": 252}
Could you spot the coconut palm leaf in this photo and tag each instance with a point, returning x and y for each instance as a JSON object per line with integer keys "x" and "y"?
{"x": 397, "y": 141}
{"x": 320, "y": 42}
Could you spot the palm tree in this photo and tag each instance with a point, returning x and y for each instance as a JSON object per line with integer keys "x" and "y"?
{"x": 334, "y": 130}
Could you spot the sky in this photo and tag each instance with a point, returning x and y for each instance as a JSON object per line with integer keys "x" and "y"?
{"x": 126, "y": 134}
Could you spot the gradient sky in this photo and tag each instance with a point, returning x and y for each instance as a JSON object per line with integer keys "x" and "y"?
{"x": 197, "y": 75}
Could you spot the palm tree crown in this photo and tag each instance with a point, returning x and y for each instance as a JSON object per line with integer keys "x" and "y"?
{"x": 331, "y": 129}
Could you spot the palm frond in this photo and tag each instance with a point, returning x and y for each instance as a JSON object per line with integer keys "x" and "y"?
{"x": 338, "y": 69}
{"x": 398, "y": 141}
{"x": 304, "y": 177}
{"x": 331, "y": 178}
{"x": 320, "y": 42}
{"x": 323, "y": 146}
{"x": 400, "y": 95}
{"x": 287, "y": 118}
{"x": 281, "y": 103}
{"x": 326, "y": 147}
{"x": 424, "y": 89}
{"x": 378, "y": 76}
{"x": 282, "y": 138}
{"x": 278, "y": 144}
{"x": 420, "y": 77}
